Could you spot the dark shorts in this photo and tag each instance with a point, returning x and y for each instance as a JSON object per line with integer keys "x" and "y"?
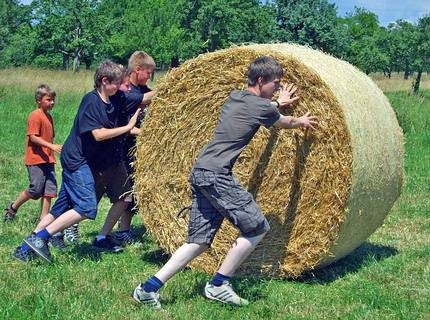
{"x": 77, "y": 192}
{"x": 218, "y": 196}
{"x": 43, "y": 182}
{"x": 114, "y": 182}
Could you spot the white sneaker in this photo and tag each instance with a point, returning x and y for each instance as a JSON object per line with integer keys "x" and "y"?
{"x": 224, "y": 293}
{"x": 150, "y": 298}
{"x": 72, "y": 233}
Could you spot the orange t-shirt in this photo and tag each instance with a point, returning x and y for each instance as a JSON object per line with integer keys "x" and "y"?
{"x": 40, "y": 124}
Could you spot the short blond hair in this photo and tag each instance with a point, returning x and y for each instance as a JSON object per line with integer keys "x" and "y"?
{"x": 140, "y": 59}
{"x": 44, "y": 90}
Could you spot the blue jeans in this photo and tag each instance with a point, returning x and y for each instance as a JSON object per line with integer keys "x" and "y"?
{"x": 77, "y": 192}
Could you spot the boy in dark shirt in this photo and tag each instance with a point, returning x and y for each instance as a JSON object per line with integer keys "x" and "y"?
{"x": 141, "y": 66}
{"x": 91, "y": 148}
{"x": 217, "y": 194}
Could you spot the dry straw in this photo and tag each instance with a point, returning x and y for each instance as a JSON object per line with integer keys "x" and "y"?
{"x": 323, "y": 193}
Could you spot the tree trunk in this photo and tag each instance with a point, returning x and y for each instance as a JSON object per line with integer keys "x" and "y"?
{"x": 77, "y": 60}
{"x": 417, "y": 81}
{"x": 66, "y": 59}
{"x": 174, "y": 62}
{"x": 407, "y": 71}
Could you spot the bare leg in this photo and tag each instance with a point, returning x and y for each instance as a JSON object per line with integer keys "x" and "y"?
{"x": 116, "y": 211}
{"x": 180, "y": 259}
{"x": 45, "y": 204}
{"x": 22, "y": 198}
{"x": 44, "y": 222}
{"x": 240, "y": 250}
{"x": 59, "y": 224}
{"x": 125, "y": 222}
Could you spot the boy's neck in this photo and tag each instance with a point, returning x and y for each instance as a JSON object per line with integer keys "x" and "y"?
{"x": 103, "y": 95}
{"x": 42, "y": 110}
{"x": 133, "y": 79}
{"x": 255, "y": 90}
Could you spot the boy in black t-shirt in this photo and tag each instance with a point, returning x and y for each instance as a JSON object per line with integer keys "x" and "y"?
{"x": 91, "y": 149}
{"x": 141, "y": 66}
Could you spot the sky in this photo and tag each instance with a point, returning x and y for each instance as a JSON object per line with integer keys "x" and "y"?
{"x": 386, "y": 10}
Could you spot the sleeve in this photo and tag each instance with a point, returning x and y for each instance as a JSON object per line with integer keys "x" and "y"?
{"x": 131, "y": 101}
{"x": 89, "y": 115}
{"x": 34, "y": 124}
{"x": 268, "y": 114}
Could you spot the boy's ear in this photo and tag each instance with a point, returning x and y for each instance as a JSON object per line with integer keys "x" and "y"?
{"x": 260, "y": 81}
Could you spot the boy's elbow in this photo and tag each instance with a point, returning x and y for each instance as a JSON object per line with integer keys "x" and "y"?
{"x": 97, "y": 135}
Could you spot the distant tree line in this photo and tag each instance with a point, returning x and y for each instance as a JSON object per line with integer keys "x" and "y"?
{"x": 71, "y": 33}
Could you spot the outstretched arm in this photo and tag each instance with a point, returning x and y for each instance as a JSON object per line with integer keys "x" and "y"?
{"x": 289, "y": 122}
{"x": 104, "y": 133}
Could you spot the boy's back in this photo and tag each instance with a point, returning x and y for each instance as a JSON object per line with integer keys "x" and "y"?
{"x": 240, "y": 119}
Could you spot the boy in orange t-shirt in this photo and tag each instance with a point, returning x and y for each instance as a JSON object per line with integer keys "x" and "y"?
{"x": 39, "y": 156}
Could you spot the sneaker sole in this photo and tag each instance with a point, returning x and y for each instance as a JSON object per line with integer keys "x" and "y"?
{"x": 40, "y": 254}
{"x": 98, "y": 249}
{"x": 140, "y": 303}
{"x": 210, "y": 297}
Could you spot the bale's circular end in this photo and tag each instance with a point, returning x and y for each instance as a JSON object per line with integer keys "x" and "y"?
{"x": 323, "y": 192}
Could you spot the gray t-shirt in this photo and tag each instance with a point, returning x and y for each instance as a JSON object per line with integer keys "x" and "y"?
{"x": 240, "y": 119}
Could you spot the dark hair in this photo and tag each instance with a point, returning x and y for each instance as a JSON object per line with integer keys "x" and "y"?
{"x": 111, "y": 70}
{"x": 44, "y": 90}
{"x": 264, "y": 67}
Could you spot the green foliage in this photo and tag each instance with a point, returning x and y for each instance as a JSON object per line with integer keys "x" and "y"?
{"x": 59, "y": 33}
{"x": 309, "y": 22}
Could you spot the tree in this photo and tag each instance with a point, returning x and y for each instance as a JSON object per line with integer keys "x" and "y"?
{"x": 367, "y": 38}
{"x": 422, "y": 50}
{"x": 16, "y": 34}
{"x": 150, "y": 25}
{"x": 309, "y": 22}
{"x": 70, "y": 28}
{"x": 402, "y": 42}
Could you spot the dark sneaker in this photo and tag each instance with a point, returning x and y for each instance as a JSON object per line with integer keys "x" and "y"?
{"x": 72, "y": 233}
{"x": 24, "y": 255}
{"x": 9, "y": 213}
{"x": 107, "y": 244}
{"x": 151, "y": 299}
{"x": 39, "y": 245}
{"x": 224, "y": 293}
{"x": 57, "y": 241}
{"x": 125, "y": 237}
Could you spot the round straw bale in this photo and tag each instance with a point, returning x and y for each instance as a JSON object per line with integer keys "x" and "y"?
{"x": 323, "y": 192}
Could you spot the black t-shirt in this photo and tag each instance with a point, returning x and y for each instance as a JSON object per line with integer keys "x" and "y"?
{"x": 241, "y": 117}
{"x": 93, "y": 113}
{"x": 130, "y": 140}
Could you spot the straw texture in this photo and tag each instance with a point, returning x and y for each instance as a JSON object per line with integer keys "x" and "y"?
{"x": 323, "y": 193}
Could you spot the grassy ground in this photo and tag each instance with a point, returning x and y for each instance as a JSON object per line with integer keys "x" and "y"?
{"x": 388, "y": 277}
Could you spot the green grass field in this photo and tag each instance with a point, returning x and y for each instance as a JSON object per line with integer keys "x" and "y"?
{"x": 388, "y": 277}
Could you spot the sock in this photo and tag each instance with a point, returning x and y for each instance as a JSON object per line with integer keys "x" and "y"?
{"x": 153, "y": 284}
{"x": 100, "y": 237}
{"x": 44, "y": 234}
{"x": 218, "y": 279}
{"x": 25, "y": 247}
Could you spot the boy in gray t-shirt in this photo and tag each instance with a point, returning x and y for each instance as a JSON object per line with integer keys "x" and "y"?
{"x": 217, "y": 194}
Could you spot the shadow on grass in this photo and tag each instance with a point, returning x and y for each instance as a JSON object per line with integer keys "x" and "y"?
{"x": 85, "y": 251}
{"x": 364, "y": 255}
{"x": 158, "y": 257}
